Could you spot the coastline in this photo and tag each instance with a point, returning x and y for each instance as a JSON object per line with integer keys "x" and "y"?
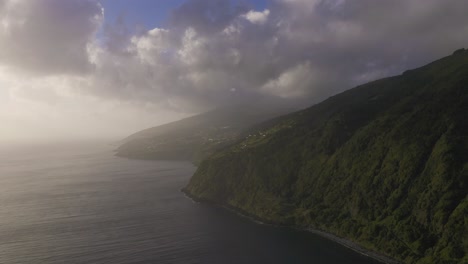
{"x": 342, "y": 241}
{"x": 354, "y": 246}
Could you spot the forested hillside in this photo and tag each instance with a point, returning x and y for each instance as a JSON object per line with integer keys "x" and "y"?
{"x": 384, "y": 164}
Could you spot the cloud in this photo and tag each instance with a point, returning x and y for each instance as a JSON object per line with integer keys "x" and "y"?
{"x": 48, "y": 36}
{"x": 212, "y": 53}
{"x": 53, "y": 108}
{"x": 206, "y": 17}
{"x": 294, "y": 82}
{"x": 257, "y": 17}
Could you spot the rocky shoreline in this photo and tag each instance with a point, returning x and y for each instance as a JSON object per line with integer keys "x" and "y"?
{"x": 344, "y": 242}
{"x": 355, "y": 247}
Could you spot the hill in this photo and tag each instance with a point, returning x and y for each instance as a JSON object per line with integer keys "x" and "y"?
{"x": 196, "y": 137}
{"x": 384, "y": 165}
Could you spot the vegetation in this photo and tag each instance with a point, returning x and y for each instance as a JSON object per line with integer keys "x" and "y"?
{"x": 384, "y": 165}
{"x": 196, "y": 137}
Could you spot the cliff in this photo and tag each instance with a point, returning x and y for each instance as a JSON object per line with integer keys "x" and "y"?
{"x": 384, "y": 165}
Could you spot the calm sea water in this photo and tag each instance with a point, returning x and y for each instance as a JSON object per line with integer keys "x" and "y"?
{"x": 80, "y": 204}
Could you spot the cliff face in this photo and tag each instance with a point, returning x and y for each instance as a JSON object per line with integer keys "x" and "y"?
{"x": 384, "y": 165}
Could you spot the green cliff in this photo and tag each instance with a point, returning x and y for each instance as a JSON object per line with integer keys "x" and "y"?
{"x": 384, "y": 165}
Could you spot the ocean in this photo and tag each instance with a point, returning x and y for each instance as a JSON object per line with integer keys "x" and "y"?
{"x": 78, "y": 203}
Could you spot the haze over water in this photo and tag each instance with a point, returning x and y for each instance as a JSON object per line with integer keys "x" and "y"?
{"x": 80, "y": 204}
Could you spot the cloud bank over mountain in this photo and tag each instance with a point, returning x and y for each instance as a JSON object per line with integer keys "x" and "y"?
{"x": 62, "y": 62}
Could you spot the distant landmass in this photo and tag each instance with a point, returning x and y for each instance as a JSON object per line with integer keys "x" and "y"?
{"x": 198, "y": 136}
{"x": 384, "y": 165}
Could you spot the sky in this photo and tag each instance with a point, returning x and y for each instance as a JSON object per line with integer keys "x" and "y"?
{"x": 84, "y": 69}
{"x": 151, "y": 13}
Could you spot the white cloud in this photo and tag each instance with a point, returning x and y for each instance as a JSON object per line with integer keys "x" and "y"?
{"x": 293, "y": 82}
{"x": 257, "y": 17}
{"x": 152, "y": 46}
{"x": 192, "y": 47}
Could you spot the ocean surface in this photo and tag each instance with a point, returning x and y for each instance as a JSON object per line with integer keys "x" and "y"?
{"x": 78, "y": 203}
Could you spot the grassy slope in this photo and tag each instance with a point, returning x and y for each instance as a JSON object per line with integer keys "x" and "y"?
{"x": 384, "y": 165}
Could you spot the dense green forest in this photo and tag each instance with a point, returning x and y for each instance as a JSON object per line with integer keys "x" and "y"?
{"x": 384, "y": 165}
{"x": 198, "y": 136}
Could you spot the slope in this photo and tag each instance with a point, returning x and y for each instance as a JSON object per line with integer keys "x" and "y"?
{"x": 384, "y": 165}
{"x": 195, "y": 137}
